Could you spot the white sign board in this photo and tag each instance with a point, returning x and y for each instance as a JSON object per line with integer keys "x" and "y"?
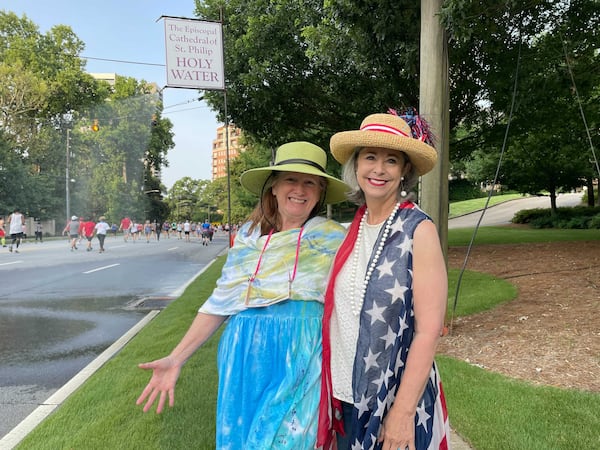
{"x": 194, "y": 54}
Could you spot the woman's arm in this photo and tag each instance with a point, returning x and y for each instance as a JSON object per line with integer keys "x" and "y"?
{"x": 165, "y": 371}
{"x": 430, "y": 295}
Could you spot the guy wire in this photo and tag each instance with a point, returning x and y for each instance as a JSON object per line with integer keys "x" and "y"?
{"x": 587, "y": 130}
{"x": 464, "y": 266}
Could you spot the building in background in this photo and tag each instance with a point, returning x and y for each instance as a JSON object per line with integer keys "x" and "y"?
{"x": 219, "y": 150}
{"x": 108, "y": 77}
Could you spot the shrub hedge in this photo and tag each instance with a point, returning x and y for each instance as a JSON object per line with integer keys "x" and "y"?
{"x": 578, "y": 217}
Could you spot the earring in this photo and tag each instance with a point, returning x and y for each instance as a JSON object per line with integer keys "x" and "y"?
{"x": 403, "y": 193}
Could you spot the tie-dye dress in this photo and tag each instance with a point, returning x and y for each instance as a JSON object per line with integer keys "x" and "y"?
{"x": 269, "y": 357}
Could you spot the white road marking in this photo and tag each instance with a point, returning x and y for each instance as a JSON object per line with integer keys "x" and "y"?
{"x": 102, "y": 268}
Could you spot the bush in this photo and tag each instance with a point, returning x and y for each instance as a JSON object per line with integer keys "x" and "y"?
{"x": 578, "y": 217}
{"x": 530, "y": 215}
{"x": 463, "y": 189}
{"x": 542, "y": 222}
{"x": 594, "y": 222}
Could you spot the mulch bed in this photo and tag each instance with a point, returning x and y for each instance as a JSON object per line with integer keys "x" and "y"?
{"x": 549, "y": 334}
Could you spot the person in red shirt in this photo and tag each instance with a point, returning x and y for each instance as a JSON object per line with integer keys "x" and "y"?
{"x": 87, "y": 231}
{"x": 125, "y": 226}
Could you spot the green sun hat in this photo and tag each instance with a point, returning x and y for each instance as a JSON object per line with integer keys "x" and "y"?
{"x": 302, "y": 157}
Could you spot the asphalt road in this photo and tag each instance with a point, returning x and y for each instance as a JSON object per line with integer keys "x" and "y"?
{"x": 60, "y": 309}
{"x": 503, "y": 213}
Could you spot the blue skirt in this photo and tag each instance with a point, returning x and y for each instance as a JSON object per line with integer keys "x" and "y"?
{"x": 269, "y": 378}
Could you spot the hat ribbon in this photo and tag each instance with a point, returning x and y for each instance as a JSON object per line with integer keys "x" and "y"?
{"x": 384, "y": 129}
{"x": 301, "y": 161}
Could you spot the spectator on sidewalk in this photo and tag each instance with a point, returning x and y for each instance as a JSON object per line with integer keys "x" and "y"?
{"x": 38, "y": 231}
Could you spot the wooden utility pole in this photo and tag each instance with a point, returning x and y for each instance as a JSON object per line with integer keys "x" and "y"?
{"x": 434, "y": 108}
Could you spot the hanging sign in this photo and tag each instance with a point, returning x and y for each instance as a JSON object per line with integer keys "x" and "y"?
{"x": 194, "y": 54}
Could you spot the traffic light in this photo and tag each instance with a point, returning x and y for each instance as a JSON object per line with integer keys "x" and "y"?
{"x": 95, "y": 126}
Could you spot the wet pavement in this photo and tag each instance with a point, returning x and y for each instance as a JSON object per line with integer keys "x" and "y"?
{"x": 54, "y": 343}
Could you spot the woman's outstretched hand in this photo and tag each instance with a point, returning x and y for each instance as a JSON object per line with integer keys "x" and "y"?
{"x": 162, "y": 384}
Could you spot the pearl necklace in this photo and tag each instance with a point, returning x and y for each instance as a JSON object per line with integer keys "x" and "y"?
{"x": 357, "y": 303}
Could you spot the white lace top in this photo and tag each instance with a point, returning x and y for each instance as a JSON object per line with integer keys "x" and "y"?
{"x": 345, "y": 324}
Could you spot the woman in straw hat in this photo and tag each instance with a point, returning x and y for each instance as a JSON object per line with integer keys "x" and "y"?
{"x": 386, "y": 299}
{"x": 271, "y": 289}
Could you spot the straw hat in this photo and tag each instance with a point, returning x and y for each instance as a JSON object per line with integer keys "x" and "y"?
{"x": 302, "y": 157}
{"x": 384, "y": 131}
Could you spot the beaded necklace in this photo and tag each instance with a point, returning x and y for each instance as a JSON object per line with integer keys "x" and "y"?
{"x": 356, "y": 303}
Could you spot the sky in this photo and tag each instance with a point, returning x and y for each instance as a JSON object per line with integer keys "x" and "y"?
{"x": 130, "y": 30}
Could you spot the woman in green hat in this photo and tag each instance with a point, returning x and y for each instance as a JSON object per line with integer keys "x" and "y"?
{"x": 272, "y": 291}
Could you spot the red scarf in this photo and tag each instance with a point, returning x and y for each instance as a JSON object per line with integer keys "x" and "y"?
{"x": 330, "y": 408}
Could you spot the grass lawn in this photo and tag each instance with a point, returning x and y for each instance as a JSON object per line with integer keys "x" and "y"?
{"x": 509, "y": 235}
{"x": 489, "y": 410}
{"x": 475, "y": 204}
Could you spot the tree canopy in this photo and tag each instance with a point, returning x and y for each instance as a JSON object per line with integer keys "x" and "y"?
{"x": 545, "y": 53}
{"x": 304, "y": 70}
{"x": 67, "y": 139}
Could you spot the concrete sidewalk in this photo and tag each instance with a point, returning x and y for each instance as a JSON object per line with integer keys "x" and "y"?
{"x": 458, "y": 443}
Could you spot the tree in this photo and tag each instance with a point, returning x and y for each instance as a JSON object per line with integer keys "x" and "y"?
{"x": 41, "y": 82}
{"x": 47, "y": 106}
{"x": 548, "y": 41}
{"x": 43, "y": 77}
{"x": 184, "y": 199}
{"x": 115, "y": 167}
{"x": 303, "y": 70}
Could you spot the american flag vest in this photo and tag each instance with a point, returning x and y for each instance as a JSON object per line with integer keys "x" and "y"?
{"x": 385, "y": 335}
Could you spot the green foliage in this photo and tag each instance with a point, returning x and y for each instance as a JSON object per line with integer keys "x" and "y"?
{"x": 13, "y": 190}
{"x": 303, "y": 70}
{"x": 579, "y": 217}
{"x": 462, "y": 189}
{"x": 48, "y": 104}
{"x": 550, "y": 45}
{"x": 187, "y": 200}
{"x": 114, "y": 166}
{"x": 306, "y": 70}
